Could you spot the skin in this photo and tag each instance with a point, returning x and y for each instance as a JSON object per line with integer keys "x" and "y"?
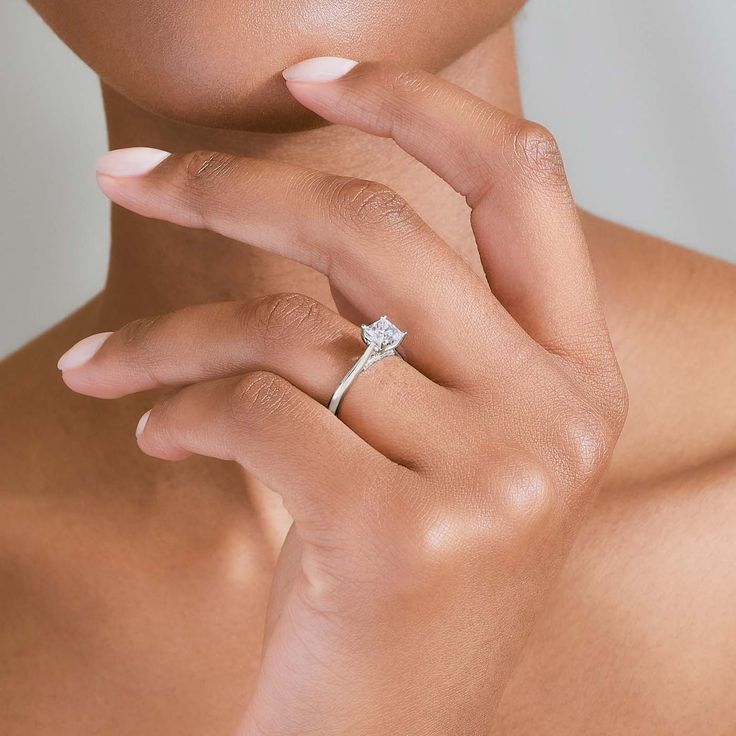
{"x": 133, "y": 586}
{"x": 486, "y": 513}
{"x": 160, "y": 55}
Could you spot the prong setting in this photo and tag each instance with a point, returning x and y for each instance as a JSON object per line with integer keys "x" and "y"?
{"x": 383, "y": 334}
{"x": 381, "y": 338}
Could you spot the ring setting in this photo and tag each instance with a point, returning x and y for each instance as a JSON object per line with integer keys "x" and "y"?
{"x": 382, "y": 339}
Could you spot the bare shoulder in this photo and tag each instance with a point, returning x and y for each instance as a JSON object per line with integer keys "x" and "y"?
{"x": 121, "y": 579}
{"x": 672, "y": 316}
{"x": 638, "y": 636}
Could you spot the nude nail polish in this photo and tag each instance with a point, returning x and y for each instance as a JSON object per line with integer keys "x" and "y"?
{"x": 82, "y": 352}
{"x": 142, "y": 423}
{"x": 319, "y": 69}
{"x": 130, "y": 162}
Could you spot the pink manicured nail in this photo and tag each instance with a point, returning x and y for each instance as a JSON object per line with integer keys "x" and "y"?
{"x": 142, "y": 423}
{"x": 130, "y": 161}
{"x": 319, "y": 69}
{"x": 80, "y": 353}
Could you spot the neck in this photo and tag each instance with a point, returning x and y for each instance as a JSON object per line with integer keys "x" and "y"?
{"x": 156, "y": 267}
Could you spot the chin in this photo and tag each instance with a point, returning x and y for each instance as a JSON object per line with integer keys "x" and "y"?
{"x": 218, "y": 64}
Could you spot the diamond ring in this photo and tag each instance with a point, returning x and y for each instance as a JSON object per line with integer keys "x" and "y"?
{"x": 382, "y": 338}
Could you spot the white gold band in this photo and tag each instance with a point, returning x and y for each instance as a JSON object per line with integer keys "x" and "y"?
{"x": 382, "y": 338}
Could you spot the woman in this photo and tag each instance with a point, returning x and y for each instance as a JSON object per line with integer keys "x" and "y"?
{"x": 429, "y": 584}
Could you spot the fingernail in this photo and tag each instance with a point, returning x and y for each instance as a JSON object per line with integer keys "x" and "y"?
{"x": 83, "y": 351}
{"x": 319, "y": 69}
{"x": 130, "y": 161}
{"x": 142, "y": 423}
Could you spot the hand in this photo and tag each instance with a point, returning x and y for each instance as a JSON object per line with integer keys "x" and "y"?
{"x": 432, "y": 516}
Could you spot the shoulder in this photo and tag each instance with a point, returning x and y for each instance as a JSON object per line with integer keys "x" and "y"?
{"x": 672, "y": 316}
{"x": 111, "y": 566}
{"x": 646, "y": 597}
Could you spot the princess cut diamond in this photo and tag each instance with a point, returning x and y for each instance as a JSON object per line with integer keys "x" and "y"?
{"x": 383, "y": 334}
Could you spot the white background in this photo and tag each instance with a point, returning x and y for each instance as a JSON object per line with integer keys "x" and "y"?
{"x": 641, "y": 95}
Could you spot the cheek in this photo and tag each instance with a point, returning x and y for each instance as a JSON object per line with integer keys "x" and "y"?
{"x": 218, "y": 64}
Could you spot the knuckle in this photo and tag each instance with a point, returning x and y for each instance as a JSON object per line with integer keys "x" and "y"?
{"x": 514, "y": 502}
{"x": 276, "y": 317}
{"x": 526, "y": 498}
{"x": 410, "y": 82}
{"x": 599, "y": 375}
{"x": 586, "y": 440}
{"x": 138, "y": 332}
{"x": 202, "y": 168}
{"x": 536, "y": 152}
{"x": 404, "y": 92}
{"x": 202, "y": 172}
{"x": 258, "y": 393}
{"x": 440, "y": 542}
{"x": 369, "y": 205}
{"x": 140, "y": 344}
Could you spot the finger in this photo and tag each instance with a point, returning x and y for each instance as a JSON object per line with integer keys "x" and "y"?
{"x": 280, "y": 435}
{"x": 510, "y": 170}
{"x": 374, "y": 248}
{"x": 288, "y": 334}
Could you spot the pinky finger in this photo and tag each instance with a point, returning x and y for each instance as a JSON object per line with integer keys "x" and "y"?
{"x": 280, "y": 435}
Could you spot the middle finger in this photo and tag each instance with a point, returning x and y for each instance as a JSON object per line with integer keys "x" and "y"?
{"x": 376, "y": 251}
{"x": 290, "y": 335}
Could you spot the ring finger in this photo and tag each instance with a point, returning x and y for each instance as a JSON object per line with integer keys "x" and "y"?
{"x": 287, "y": 334}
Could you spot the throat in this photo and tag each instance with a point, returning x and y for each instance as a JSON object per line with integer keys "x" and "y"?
{"x": 156, "y": 267}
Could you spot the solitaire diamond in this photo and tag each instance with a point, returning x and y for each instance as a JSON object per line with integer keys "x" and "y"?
{"x": 383, "y": 334}
{"x": 381, "y": 339}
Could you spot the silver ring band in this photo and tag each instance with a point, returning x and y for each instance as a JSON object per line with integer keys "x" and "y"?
{"x": 382, "y": 338}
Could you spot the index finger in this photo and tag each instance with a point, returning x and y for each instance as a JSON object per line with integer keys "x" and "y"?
{"x": 510, "y": 171}
{"x": 375, "y": 249}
